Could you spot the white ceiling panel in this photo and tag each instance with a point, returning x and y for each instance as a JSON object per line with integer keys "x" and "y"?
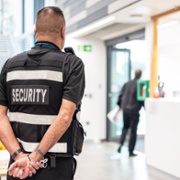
{"x": 135, "y": 15}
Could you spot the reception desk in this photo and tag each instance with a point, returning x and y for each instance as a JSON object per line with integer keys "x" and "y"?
{"x": 162, "y": 139}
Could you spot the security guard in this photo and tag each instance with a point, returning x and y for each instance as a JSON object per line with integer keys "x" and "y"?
{"x": 41, "y": 89}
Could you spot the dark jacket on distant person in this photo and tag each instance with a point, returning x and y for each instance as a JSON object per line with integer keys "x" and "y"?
{"x": 127, "y": 99}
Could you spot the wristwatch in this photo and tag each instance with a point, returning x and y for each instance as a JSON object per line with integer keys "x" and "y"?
{"x": 15, "y": 154}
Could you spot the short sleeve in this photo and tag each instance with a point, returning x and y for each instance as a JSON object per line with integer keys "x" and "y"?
{"x": 74, "y": 79}
{"x": 3, "y": 94}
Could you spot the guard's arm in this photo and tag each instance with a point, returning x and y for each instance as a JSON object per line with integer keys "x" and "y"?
{"x": 56, "y": 130}
{"x": 7, "y": 136}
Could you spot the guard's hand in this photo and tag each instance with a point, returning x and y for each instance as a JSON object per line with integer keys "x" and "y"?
{"x": 23, "y": 168}
{"x": 13, "y": 169}
{"x": 20, "y": 168}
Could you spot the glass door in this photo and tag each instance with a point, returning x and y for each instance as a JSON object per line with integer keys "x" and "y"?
{"x": 118, "y": 71}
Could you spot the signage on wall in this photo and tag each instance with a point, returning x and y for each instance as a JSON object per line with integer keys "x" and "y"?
{"x": 85, "y": 48}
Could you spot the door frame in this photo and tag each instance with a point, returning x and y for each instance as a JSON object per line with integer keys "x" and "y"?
{"x": 110, "y": 45}
{"x": 110, "y": 49}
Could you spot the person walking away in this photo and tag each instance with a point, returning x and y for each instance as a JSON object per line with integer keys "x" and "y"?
{"x": 41, "y": 89}
{"x": 130, "y": 106}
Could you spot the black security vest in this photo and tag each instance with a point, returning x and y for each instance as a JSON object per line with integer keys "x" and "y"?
{"x": 35, "y": 89}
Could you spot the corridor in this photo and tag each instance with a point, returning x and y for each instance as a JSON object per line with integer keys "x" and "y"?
{"x": 100, "y": 161}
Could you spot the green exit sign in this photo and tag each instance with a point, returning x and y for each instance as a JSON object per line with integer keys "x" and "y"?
{"x": 85, "y": 48}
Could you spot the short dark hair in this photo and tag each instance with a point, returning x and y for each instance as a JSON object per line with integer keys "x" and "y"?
{"x": 49, "y": 19}
{"x": 138, "y": 73}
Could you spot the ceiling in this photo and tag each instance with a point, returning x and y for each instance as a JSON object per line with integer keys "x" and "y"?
{"x": 135, "y": 17}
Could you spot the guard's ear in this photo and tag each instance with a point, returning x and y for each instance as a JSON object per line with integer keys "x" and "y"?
{"x": 63, "y": 31}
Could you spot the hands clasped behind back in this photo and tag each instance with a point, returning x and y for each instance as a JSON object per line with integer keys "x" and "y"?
{"x": 24, "y": 166}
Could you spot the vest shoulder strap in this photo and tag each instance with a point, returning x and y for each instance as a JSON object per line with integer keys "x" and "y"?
{"x": 56, "y": 60}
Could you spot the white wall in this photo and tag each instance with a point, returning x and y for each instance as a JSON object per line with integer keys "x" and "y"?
{"x": 49, "y": 3}
{"x": 93, "y": 116}
{"x": 169, "y": 58}
{"x": 162, "y": 145}
{"x": 148, "y": 39}
{"x": 29, "y": 23}
{"x": 29, "y": 10}
{"x": 17, "y": 16}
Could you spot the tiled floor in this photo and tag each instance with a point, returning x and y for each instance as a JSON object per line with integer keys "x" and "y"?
{"x": 100, "y": 161}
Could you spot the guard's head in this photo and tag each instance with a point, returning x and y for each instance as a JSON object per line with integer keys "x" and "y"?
{"x": 50, "y": 22}
{"x": 138, "y": 74}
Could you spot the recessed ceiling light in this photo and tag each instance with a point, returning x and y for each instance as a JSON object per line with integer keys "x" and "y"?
{"x": 136, "y": 15}
{"x": 91, "y": 27}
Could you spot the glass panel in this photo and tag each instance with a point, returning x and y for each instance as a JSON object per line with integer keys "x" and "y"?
{"x": 139, "y": 56}
{"x": 120, "y": 65}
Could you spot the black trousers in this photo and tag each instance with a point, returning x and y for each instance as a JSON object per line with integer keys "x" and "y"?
{"x": 63, "y": 170}
{"x": 130, "y": 121}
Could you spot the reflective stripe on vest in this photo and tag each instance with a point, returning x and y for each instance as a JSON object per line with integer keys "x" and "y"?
{"x": 33, "y": 74}
{"x": 31, "y": 119}
{"x": 58, "y": 147}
